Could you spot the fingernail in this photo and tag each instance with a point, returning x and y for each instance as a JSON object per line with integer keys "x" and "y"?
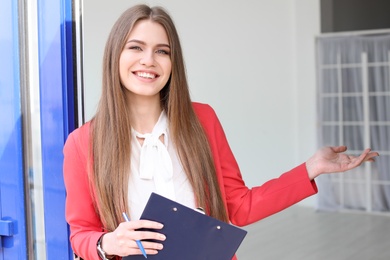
{"x": 162, "y": 237}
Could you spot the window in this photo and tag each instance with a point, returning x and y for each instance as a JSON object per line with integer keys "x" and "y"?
{"x": 354, "y": 110}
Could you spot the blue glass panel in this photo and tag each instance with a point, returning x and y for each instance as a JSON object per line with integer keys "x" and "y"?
{"x": 11, "y": 146}
{"x": 56, "y": 87}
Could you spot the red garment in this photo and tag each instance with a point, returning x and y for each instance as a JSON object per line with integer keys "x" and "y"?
{"x": 244, "y": 205}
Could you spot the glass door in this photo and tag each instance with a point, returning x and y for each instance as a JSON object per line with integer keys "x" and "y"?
{"x": 12, "y": 202}
{"x": 37, "y": 111}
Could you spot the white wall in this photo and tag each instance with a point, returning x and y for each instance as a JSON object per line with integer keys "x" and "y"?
{"x": 252, "y": 60}
{"x": 307, "y": 26}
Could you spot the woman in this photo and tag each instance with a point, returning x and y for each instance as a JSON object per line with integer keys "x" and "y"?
{"x": 147, "y": 136}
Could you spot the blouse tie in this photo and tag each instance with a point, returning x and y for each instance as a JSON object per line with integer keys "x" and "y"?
{"x": 155, "y": 162}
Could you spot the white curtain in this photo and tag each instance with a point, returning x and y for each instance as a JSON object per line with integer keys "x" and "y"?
{"x": 354, "y": 110}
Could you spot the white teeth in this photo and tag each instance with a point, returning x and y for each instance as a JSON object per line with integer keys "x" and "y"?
{"x": 146, "y": 75}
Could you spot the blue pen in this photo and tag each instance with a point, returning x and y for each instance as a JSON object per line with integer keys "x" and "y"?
{"x": 139, "y": 244}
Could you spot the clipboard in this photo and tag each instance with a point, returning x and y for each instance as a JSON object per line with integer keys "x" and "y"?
{"x": 191, "y": 235}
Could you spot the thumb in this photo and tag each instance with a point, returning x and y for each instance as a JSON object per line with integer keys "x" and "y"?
{"x": 339, "y": 149}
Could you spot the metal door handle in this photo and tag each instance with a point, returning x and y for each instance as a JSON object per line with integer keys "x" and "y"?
{"x": 6, "y": 229}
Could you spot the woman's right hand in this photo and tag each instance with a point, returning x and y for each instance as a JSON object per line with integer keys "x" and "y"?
{"x": 121, "y": 241}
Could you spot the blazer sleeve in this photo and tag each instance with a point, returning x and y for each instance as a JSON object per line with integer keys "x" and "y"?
{"x": 85, "y": 225}
{"x": 247, "y": 205}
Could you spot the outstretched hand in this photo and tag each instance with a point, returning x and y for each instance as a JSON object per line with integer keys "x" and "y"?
{"x": 331, "y": 159}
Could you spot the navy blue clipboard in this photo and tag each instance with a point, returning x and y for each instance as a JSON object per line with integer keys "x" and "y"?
{"x": 191, "y": 235}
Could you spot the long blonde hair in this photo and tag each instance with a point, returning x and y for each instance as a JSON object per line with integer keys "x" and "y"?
{"x": 110, "y": 129}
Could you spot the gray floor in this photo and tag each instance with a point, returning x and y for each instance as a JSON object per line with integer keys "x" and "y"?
{"x": 302, "y": 233}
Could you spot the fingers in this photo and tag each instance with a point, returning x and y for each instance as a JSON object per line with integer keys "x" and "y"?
{"x": 362, "y": 157}
{"x": 138, "y": 224}
{"x": 133, "y": 230}
{"x": 137, "y": 251}
{"x": 366, "y": 156}
{"x": 151, "y": 248}
{"x": 370, "y": 156}
{"x": 146, "y": 235}
{"x": 122, "y": 241}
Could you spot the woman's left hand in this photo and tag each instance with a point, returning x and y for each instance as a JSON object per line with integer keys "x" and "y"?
{"x": 331, "y": 159}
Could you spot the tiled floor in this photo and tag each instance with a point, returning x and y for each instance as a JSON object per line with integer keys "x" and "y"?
{"x": 302, "y": 233}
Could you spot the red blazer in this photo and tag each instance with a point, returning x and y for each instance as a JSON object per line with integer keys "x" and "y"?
{"x": 244, "y": 205}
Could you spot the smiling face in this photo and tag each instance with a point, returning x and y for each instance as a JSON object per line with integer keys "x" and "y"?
{"x": 145, "y": 64}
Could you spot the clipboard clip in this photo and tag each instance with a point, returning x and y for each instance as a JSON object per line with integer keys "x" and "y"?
{"x": 200, "y": 210}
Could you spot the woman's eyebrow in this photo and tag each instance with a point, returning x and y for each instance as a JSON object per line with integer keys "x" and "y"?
{"x": 144, "y": 43}
{"x": 136, "y": 41}
{"x": 163, "y": 45}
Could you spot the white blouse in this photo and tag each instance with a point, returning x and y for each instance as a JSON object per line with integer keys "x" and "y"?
{"x": 155, "y": 167}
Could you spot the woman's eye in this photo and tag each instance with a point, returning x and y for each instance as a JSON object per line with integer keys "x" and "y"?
{"x": 137, "y": 48}
{"x": 163, "y": 52}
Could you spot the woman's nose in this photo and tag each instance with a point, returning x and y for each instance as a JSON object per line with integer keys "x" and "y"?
{"x": 147, "y": 59}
